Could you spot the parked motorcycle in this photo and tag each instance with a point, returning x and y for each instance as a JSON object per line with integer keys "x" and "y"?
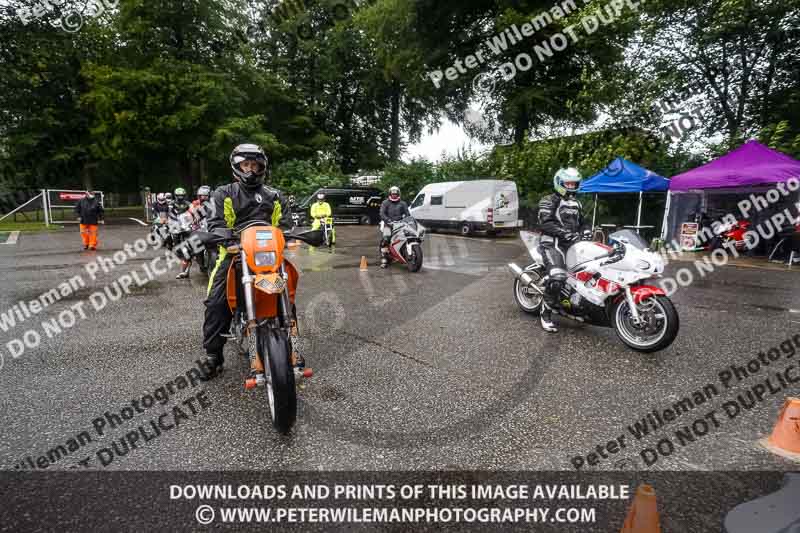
{"x": 261, "y": 291}
{"x": 729, "y": 233}
{"x": 605, "y": 287}
{"x": 405, "y": 244}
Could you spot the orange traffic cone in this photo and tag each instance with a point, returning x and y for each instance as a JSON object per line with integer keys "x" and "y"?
{"x": 363, "y": 263}
{"x": 785, "y": 438}
{"x": 643, "y": 514}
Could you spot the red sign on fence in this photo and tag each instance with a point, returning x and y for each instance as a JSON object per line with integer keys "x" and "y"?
{"x": 71, "y": 195}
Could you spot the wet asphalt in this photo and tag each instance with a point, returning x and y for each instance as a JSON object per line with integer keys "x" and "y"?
{"x": 436, "y": 370}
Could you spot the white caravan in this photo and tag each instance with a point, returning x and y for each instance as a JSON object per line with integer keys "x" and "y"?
{"x": 468, "y": 206}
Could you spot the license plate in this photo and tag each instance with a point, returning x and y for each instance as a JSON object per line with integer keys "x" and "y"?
{"x": 499, "y": 223}
{"x": 270, "y": 283}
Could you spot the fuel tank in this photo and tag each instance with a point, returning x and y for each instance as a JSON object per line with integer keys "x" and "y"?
{"x": 584, "y": 251}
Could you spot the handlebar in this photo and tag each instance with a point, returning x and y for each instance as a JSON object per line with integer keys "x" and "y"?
{"x": 227, "y": 236}
{"x": 616, "y": 255}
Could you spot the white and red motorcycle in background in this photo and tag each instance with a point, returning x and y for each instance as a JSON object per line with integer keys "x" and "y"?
{"x": 605, "y": 287}
{"x": 405, "y": 244}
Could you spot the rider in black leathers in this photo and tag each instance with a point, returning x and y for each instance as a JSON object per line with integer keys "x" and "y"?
{"x": 234, "y": 205}
{"x": 161, "y": 205}
{"x": 393, "y": 209}
{"x": 561, "y": 223}
{"x": 181, "y": 203}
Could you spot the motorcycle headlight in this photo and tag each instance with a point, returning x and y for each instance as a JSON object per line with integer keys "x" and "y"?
{"x": 265, "y": 258}
{"x": 643, "y": 265}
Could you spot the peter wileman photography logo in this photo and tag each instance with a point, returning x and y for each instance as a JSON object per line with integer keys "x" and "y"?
{"x": 70, "y": 18}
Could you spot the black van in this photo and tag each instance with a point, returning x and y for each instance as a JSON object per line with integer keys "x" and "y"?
{"x": 361, "y": 206}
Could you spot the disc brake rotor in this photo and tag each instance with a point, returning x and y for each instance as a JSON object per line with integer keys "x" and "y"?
{"x": 650, "y": 320}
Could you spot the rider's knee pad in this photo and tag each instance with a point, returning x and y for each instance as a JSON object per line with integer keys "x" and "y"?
{"x": 558, "y": 274}
{"x": 556, "y": 280}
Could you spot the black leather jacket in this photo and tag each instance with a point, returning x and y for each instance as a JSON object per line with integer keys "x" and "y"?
{"x": 559, "y": 216}
{"x": 161, "y": 208}
{"x": 394, "y": 211}
{"x": 179, "y": 208}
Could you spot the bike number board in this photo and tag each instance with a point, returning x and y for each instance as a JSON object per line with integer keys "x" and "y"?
{"x": 270, "y": 283}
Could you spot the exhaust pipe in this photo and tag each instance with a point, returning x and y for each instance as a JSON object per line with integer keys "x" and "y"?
{"x": 524, "y": 277}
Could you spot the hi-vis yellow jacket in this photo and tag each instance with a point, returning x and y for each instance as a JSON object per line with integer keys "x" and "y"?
{"x": 320, "y": 210}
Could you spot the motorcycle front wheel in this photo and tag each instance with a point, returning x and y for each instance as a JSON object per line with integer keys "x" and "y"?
{"x": 275, "y": 350}
{"x": 415, "y": 261}
{"x": 658, "y": 328}
{"x": 529, "y": 300}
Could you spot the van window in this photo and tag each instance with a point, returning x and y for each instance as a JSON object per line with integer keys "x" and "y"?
{"x": 436, "y": 200}
{"x": 418, "y": 201}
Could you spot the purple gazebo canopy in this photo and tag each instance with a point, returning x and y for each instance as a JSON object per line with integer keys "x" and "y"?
{"x": 750, "y": 164}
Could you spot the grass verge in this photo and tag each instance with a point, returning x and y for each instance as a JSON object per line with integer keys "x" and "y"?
{"x": 26, "y": 226}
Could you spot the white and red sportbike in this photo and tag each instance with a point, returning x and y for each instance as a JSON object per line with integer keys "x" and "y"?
{"x": 405, "y": 244}
{"x": 606, "y": 286}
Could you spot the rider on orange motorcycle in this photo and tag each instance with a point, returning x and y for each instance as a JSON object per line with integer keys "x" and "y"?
{"x": 235, "y": 204}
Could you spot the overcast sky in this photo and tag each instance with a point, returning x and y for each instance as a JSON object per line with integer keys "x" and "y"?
{"x": 450, "y": 139}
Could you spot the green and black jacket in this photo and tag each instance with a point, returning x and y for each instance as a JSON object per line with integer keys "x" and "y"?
{"x": 233, "y": 206}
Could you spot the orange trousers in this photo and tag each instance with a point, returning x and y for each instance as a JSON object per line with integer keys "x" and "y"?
{"x": 89, "y": 235}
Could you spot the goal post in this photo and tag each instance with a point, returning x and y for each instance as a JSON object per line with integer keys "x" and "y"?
{"x": 63, "y": 199}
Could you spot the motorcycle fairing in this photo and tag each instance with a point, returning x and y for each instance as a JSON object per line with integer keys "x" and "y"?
{"x": 602, "y": 284}
{"x": 393, "y": 251}
{"x": 642, "y": 292}
{"x": 532, "y": 241}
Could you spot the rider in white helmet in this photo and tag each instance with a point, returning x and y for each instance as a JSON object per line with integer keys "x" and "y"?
{"x": 161, "y": 205}
{"x": 393, "y": 209}
{"x": 561, "y": 223}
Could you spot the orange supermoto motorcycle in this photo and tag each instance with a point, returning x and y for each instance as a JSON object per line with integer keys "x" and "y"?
{"x": 261, "y": 291}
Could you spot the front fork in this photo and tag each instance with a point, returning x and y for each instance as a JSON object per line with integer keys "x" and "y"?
{"x": 260, "y": 363}
{"x": 247, "y": 284}
{"x": 632, "y": 306}
{"x": 249, "y": 299}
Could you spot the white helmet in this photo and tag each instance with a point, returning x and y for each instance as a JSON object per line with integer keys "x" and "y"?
{"x": 567, "y": 181}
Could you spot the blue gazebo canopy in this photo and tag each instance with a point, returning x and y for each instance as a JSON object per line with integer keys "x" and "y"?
{"x": 623, "y": 176}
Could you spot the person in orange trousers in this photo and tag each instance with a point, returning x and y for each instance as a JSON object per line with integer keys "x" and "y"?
{"x": 89, "y": 213}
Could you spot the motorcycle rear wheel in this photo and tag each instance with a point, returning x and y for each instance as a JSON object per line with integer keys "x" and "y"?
{"x": 275, "y": 350}
{"x": 631, "y": 335}
{"x": 529, "y": 300}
